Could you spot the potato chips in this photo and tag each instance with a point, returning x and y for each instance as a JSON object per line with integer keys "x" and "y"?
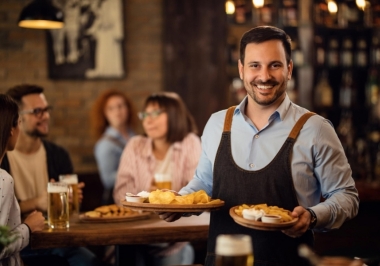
{"x": 168, "y": 197}
{"x": 275, "y": 210}
{"x": 110, "y": 211}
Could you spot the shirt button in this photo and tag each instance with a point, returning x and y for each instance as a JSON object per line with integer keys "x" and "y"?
{"x": 251, "y": 165}
{"x": 256, "y": 136}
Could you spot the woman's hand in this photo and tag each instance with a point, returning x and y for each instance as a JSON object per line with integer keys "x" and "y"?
{"x": 35, "y": 221}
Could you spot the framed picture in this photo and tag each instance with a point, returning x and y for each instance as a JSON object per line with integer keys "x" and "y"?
{"x": 90, "y": 45}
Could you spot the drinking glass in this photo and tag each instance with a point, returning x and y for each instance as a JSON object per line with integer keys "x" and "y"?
{"x": 234, "y": 250}
{"x": 163, "y": 181}
{"x": 58, "y": 205}
{"x": 72, "y": 181}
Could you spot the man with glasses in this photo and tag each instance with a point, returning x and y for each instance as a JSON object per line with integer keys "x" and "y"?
{"x": 35, "y": 161}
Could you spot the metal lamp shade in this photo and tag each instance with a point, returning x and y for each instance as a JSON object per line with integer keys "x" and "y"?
{"x": 41, "y": 14}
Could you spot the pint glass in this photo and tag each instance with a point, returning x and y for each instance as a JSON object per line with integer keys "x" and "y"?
{"x": 163, "y": 181}
{"x": 233, "y": 250}
{"x": 72, "y": 181}
{"x": 58, "y": 205}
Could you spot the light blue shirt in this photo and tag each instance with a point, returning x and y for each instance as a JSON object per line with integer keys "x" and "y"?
{"x": 108, "y": 153}
{"x": 318, "y": 163}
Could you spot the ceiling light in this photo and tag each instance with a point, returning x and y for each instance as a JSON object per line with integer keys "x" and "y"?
{"x": 258, "y": 3}
{"x": 230, "y": 7}
{"x": 41, "y": 14}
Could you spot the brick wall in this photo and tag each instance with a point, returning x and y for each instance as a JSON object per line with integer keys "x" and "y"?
{"x": 23, "y": 59}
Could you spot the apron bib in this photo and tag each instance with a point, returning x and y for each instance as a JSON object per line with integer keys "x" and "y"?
{"x": 272, "y": 185}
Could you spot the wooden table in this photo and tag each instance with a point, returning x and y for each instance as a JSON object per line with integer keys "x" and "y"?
{"x": 152, "y": 230}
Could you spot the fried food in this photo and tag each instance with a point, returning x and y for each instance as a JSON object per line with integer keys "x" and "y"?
{"x": 274, "y": 210}
{"x": 168, "y": 197}
{"x": 110, "y": 211}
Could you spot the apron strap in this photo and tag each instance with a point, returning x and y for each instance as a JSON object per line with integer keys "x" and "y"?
{"x": 228, "y": 119}
{"x": 298, "y": 126}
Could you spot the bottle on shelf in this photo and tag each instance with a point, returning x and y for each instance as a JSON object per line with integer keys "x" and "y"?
{"x": 372, "y": 89}
{"x": 347, "y": 57}
{"x": 375, "y": 51}
{"x": 320, "y": 50}
{"x": 323, "y": 94}
{"x": 361, "y": 54}
{"x": 347, "y": 93}
{"x": 345, "y": 133}
{"x": 288, "y": 13}
{"x": 333, "y": 54}
{"x": 291, "y": 90}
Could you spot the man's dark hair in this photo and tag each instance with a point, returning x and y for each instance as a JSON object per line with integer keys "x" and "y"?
{"x": 19, "y": 91}
{"x": 262, "y": 34}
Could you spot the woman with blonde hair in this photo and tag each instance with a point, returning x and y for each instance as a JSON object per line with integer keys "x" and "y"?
{"x": 164, "y": 158}
{"x": 113, "y": 121}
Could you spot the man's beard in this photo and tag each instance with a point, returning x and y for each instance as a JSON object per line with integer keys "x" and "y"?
{"x": 37, "y": 134}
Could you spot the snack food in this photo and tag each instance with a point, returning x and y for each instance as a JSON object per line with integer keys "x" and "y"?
{"x": 272, "y": 210}
{"x": 110, "y": 211}
{"x": 168, "y": 197}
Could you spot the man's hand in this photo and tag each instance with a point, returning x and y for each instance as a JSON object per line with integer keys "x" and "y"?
{"x": 170, "y": 216}
{"x": 304, "y": 218}
{"x": 81, "y": 185}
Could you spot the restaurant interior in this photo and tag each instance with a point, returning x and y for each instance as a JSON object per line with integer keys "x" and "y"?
{"x": 192, "y": 47}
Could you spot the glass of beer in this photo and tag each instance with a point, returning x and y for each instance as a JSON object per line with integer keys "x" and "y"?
{"x": 234, "y": 250}
{"x": 163, "y": 181}
{"x": 58, "y": 205}
{"x": 72, "y": 181}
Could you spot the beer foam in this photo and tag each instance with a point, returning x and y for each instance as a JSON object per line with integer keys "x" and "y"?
{"x": 233, "y": 245}
{"x": 70, "y": 179}
{"x": 56, "y": 189}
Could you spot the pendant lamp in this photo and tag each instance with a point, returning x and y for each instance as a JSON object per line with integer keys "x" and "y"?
{"x": 41, "y": 14}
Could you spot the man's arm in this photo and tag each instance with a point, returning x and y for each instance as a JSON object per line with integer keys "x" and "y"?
{"x": 39, "y": 203}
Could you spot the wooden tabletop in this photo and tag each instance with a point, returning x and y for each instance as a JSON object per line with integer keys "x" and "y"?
{"x": 152, "y": 230}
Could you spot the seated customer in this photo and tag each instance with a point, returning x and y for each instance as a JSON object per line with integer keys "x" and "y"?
{"x": 9, "y": 207}
{"x": 34, "y": 161}
{"x": 112, "y": 119}
{"x": 166, "y": 157}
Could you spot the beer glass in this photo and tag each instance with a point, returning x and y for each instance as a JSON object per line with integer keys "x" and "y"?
{"x": 232, "y": 250}
{"x": 58, "y": 205}
{"x": 163, "y": 181}
{"x": 72, "y": 181}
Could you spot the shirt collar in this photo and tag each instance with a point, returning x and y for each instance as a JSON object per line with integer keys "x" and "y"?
{"x": 281, "y": 111}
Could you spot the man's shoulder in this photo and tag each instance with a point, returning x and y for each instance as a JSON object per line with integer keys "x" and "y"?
{"x": 51, "y": 146}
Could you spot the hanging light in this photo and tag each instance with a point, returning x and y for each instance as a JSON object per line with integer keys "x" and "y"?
{"x": 361, "y": 4}
{"x": 41, "y": 14}
{"x": 230, "y": 7}
{"x": 258, "y": 3}
{"x": 332, "y": 7}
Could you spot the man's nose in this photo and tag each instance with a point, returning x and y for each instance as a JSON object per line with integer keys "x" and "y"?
{"x": 264, "y": 74}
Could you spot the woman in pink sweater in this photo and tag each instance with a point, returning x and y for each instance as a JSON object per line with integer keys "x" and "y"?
{"x": 165, "y": 157}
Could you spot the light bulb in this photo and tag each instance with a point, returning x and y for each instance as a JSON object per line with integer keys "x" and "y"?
{"x": 230, "y": 7}
{"x": 258, "y": 3}
{"x": 332, "y": 7}
{"x": 361, "y": 4}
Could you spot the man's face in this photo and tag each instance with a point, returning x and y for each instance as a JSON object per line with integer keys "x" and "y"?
{"x": 34, "y": 124}
{"x": 265, "y": 72}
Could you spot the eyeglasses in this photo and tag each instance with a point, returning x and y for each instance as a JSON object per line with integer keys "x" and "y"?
{"x": 153, "y": 114}
{"x": 38, "y": 112}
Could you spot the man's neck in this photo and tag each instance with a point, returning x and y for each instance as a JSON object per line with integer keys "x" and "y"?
{"x": 27, "y": 144}
{"x": 260, "y": 114}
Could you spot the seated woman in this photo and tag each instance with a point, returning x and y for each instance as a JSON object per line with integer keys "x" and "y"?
{"x": 9, "y": 208}
{"x": 165, "y": 157}
{"x": 113, "y": 120}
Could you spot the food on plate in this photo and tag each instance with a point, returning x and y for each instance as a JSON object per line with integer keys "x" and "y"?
{"x": 142, "y": 196}
{"x": 255, "y": 212}
{"x": 168, "y": 197}
{"x": 110, "y": 211}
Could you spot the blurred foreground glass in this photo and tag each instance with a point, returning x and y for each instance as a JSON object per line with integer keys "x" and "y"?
{"x": 234, "y": 250}
{"x": 58, "y": 205}
{"x": 72, "y": 181}
{"x": 163, "y": 181}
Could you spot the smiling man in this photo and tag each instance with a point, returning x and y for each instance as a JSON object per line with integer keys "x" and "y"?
{"x": 269, "y": 150}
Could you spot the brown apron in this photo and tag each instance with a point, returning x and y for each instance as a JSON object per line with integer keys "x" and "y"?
{"x": 272, "y": 185}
